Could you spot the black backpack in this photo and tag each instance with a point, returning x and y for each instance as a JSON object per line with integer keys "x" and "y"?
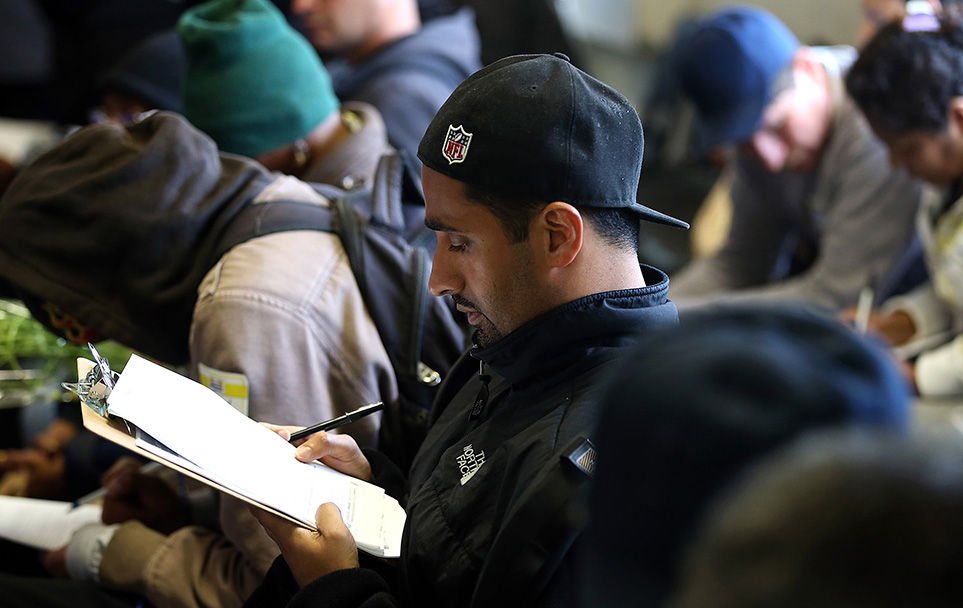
{"x": 389, "y": 250}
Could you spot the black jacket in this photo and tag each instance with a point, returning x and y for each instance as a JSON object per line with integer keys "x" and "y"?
{"x": 484, "y": 467}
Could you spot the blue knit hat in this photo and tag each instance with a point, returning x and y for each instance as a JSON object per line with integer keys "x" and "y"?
{"x": 253, "y": 83}
{"x": 693, "y": 406}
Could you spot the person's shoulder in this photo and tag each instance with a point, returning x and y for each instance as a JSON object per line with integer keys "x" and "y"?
{"x": 447, "y": 46}
{"x": 836, "y": 58}
{"x": 360, "y": 115}
{"x": 461, "y": 21}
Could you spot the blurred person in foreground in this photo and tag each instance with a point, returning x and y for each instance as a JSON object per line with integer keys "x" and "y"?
{"x": 837, "y": 521}
{"x": 692, "y": 408}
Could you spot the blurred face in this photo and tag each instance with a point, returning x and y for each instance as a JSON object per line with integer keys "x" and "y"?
{"x": 876, "y": 14}
{"x": 794, "y": 127}
{"x": 119, "y": 108}
{"x": 936, "y": 157}
{"x": 336, "y": 26}
{"x": 492, "y": 280}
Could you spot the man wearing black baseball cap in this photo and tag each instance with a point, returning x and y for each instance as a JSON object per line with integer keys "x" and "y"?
{"x": 530, "y": 173}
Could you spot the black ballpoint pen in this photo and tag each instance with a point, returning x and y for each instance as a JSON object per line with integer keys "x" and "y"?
{"x": 334, "y": 423}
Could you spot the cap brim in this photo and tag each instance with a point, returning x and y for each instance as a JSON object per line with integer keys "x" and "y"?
{"x": 731, "y": 127}
{"x": 657, "y": 217}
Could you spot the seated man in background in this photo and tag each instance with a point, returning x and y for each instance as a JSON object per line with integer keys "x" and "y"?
{"x": 817, "y": 213}
{"x": 690, "y": 409}
{"x": 837, "y": 520}
{"x": 116, "y": 231}
{"x": 379, "y": 52}
{"x": 531, "y": 171}
{"x": 258, "y": 89}
{"x": 909, "y": 83}
{"x": 287, "y": 118}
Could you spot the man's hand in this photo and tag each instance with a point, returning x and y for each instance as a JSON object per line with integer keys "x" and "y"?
{"x": 33, "y": 472}
{"x": 340, "y": 452}
{"x": 145, "y": 498}
{"x": 38, "y": 472}
{"x": 908, "y": 370}
{"x": 56, "y": 436}
{"x": 55, "y": 562}
{"x": 309, "y": 554}
{"x": 896, "y": 327}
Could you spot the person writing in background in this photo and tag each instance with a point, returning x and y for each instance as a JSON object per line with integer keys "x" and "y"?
{"x": 908, "y": 82}
{"x": 816, "y": 211}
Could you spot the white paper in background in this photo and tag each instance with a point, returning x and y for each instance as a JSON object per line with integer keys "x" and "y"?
{"x": 44, "y": 524}
{"x": 22, "y": 140}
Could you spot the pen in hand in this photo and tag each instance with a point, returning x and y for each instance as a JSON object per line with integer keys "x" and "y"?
{"x": 334, "y": 423}
{"x": 864, "y": 309}
{"x": 147, "y": 468}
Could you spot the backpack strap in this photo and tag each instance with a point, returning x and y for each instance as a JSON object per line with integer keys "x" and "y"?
{"x": 541, "y": 529}
{"x": 260, "y": 219}
{"x": 396, "y": 181}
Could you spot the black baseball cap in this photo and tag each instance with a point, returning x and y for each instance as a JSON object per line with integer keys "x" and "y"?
{"x": 536, "y": 126}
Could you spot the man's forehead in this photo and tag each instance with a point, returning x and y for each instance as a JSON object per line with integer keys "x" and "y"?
{"x": 439, "y": 225}
{"x": 447, "y": 206}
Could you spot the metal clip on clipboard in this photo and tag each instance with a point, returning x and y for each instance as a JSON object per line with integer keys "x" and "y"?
{"x": 94, "y": 389}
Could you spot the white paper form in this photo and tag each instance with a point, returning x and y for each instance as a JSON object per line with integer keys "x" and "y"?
{"x": 44, "y": 524}
{"x": 234, "y": 451}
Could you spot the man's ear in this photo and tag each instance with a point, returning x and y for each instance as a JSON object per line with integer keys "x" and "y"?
{"x": 955, "y": 114}
{"x": 563, "y": 229}
{"x": 806, "y": 64}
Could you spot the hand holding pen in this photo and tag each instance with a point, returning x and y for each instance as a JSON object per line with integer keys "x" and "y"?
{"x": 334, "y": 423}
{"x": 340, "y": 452}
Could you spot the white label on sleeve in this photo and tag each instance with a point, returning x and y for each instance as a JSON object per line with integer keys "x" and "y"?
{"x": 231, "y": 386}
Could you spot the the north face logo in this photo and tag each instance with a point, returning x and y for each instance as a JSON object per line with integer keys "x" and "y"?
{"x": 469, "y": 461}
{"x": 455, "y": 146}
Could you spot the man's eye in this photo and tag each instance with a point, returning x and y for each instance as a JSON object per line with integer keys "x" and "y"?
{"x": 456, "y": 247}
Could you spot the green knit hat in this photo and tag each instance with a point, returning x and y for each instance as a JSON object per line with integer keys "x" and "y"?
{"x": 253, "y": 83}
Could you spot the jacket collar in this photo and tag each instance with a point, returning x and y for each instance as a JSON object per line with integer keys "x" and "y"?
{"x": 590, "y": 325}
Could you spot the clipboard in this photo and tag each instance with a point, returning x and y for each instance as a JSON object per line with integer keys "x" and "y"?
{"x": 116, "y": 430}
{"x": 96, "y": 383}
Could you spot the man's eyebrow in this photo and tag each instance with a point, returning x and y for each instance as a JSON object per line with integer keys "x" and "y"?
{"x": 439, "y": 226}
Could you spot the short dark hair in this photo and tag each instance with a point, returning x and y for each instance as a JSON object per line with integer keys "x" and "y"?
{"x": 617, "y": 227}
{"x": 905, "y": 81}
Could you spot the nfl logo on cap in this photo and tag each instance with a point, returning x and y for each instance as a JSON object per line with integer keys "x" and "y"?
{"x": 455, "y": 146}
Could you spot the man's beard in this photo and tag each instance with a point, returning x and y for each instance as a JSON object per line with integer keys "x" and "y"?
{"x": 485, "y": 333}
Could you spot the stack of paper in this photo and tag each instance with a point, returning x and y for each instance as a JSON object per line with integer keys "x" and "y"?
{"x": 192, "y": 427}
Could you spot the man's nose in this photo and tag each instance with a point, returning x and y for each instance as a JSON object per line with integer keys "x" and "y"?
{"x": 443, "y": 281}
{"x": 299, "y": 7}
{"x": 770, "y": 151}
